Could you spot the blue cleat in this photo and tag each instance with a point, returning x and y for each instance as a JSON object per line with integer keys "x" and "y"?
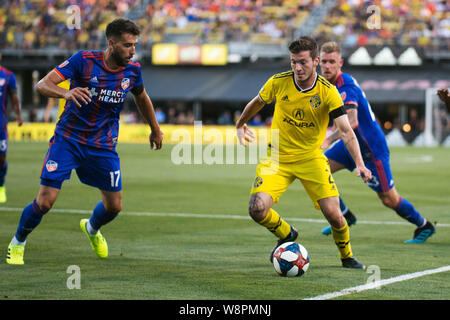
{"x": 423, "y": 233}
{"x": 351, "y": 220}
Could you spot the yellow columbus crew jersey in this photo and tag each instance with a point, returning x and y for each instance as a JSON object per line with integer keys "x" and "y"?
{"x": 300, "y": 118}
{"x": 62, "y": 102}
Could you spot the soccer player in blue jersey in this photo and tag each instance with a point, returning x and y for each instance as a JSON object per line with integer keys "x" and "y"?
{"x": 86, "y": 134}
{"x": 372, "y": 143}
{"x": 8, "y": 88}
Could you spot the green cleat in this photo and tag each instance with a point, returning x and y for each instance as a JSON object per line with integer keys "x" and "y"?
{"x": 98, "y": 242}
{"x": 15, "y": 254}
{"x": 2, "y": 194}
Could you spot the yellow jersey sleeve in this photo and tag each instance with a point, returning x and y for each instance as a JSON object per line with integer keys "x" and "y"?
{"x": 334, "y": 99}
{"x": 267, "y": 92}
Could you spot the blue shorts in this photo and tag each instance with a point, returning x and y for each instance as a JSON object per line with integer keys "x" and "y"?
{"x": 96, "y": 167}
{"x": 3, "y": 142}
{"x": 381, "y": 181}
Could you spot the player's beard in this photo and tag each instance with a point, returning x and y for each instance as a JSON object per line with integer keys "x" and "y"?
{"x": 119, "y": 60}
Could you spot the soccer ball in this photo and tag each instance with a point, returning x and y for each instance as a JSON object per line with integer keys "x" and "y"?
{"x": 291, "y": 259}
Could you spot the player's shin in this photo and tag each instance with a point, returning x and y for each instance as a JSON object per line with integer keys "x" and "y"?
{"x": 275, "y": 224}
{"x": 30, "y": 219}
{"x": 99, "y": 218}
{"x": 342, "y": 239}
{"x": 406, "y": 210}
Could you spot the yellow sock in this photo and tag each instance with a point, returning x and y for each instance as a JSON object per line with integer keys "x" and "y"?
{"x": 275, "y": 224}
{"x": 342, "y": 238}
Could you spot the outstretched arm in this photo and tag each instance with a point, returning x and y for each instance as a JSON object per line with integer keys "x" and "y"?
{"x": 17, "y": 108}
{"x": 352, "y": 114}
{"x": 145, "y": 107}
{"x": 352, "y": 145}
{"x": 242, "y": 131}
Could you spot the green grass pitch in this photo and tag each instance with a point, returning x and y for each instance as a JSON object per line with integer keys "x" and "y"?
{"x": 212, "y": 250}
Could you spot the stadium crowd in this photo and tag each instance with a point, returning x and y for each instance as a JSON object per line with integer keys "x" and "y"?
{"x": 33, "y": 24}
{"x": 419, "y": 23}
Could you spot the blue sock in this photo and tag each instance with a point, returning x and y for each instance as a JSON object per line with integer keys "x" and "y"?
{"x": 30, "y": 218}
{"x": 3, "y": 171}
{"x": 344, "y": 208}
{"x": 406, "y": 210}
{"x": 100, "y": 216}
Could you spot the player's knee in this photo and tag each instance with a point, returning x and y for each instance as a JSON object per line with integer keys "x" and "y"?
{"x": 389, "y": 202}
{"x": 45, "y": 204}
{"x": 257, "y": 208}
{"x": 114, "y": 207}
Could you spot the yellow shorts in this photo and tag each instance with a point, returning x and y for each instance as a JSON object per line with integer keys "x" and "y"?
{"x": 314, "y": 174}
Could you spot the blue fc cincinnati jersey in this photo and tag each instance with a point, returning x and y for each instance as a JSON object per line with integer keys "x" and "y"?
{"x": 7, "y": 85}
{"x": 96, "y": 123}
{"x": 370, "y": 136}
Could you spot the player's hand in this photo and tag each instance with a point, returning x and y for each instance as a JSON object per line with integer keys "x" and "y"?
{"x": 78, "y": 95}
{"x": 363, "y": 172}
{"x": 156, "y": 138}
{"x": 443, "y": 95}
{"x": 245, "y": 134}
{"x": 19, "y": 120}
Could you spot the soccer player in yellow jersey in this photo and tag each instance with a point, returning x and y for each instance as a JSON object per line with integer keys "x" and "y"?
{"x": 304, "y": 104}
{"x": 61, "y": 102}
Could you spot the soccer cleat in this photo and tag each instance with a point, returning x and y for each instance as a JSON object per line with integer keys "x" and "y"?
{"x": 98, "y": 242}
{"x": 15, "y": 254}
{"x": 423, "y": 233}
{"x": 293, "y": 234}
{"x": 352, "y": 263}
{"x": 2, "y": 194}
{"x": 351, "y": 220}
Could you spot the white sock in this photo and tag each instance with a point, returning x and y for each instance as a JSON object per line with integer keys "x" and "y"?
{"x": 15, "y": 241}
{"x": 90, "y": 230}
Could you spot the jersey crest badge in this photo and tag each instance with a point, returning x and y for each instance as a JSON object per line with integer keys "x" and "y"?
{"x": 51, "y": 165}
{"x": 125, "y": 83}
{"x": 315, "y": 101}
{"x": 2, "y": 81}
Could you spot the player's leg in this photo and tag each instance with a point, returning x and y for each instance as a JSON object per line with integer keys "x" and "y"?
{"x": 266, "y": 190}
{"x": 3, "y": 167}
{"x": 406, "y": 210}
{"x": 340, "y": 231}
{"x": 318, "y": 182}
{"x": 101, "y": 169}
{"x": 339, "y": 158}
{"x": 30, "y": 218}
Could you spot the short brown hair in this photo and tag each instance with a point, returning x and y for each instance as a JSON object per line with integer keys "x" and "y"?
{"x": 330, "y": 47}
{"x": 304, "y": 43}
{"x": 119, "y": 26}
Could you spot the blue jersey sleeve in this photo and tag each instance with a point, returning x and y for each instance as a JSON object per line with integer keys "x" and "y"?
{"x": 138, "y": 85}
{"x": 70, "y": 68}
{"x": 12, "y": 85}
{"x": 349, "y": 95}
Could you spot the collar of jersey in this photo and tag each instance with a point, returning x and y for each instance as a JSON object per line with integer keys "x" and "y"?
{"x": 304, "y": 90}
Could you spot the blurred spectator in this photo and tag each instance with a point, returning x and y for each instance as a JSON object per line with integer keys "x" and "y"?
{"x": 225, "y": 118}
{"x": 160, "y": 115}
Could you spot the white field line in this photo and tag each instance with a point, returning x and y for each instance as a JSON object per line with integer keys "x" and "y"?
{"x": 217, "y": 216}
{"x": 377, "y": 284}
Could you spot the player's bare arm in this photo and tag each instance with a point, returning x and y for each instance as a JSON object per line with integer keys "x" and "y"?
{"x": 145, "y": 107}
{"x": 352, "y": 115}
{"x": 352, "y": 145}
{"x": 48, "y": 86}
{"x": 250, "y": 110}
{"x": 17, "y": 108}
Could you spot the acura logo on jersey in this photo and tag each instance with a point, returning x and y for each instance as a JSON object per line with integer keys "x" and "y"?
{"x": 51, "y": 165}
{"x": 125, "y": 83}
{"x": 298, "y": 114}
